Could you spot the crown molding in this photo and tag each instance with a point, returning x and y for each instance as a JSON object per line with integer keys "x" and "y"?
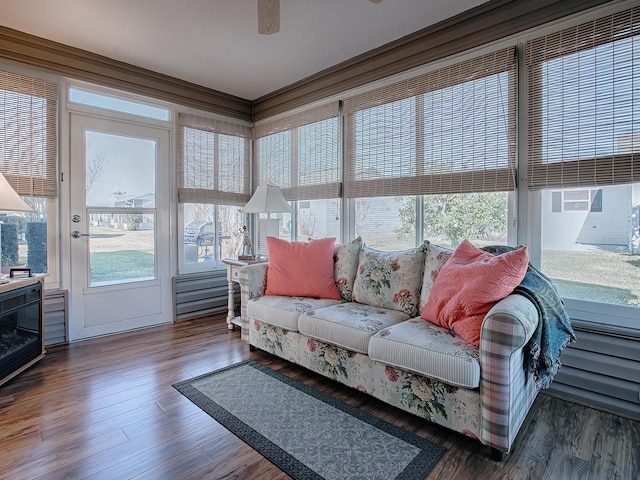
{"x": 53, "y": 57}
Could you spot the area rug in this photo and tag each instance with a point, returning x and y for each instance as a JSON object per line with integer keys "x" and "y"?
{"x": 306, "y": 433}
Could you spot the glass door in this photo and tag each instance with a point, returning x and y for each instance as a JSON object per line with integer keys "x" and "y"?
{"x": 119, "y": 226}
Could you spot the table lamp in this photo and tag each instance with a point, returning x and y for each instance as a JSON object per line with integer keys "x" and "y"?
{"x": 266, "y": 199}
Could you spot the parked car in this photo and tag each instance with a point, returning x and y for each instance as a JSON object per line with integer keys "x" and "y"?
{"x": 199, "y": 233}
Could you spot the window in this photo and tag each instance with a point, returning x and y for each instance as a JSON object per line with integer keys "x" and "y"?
{"x": 213, "y": 185}
{"x": 446, "y": 137}
{"x": 584, "y": 157}
{"x": 299, "y": 153}
{"x": 590, "y": 253}
{"x": 28, "y": 159}
{"x": 108, "y": 102}
{"x": 576, "y": 201}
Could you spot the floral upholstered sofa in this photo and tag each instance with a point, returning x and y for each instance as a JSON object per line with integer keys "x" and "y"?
{"x": 372, "y": 338}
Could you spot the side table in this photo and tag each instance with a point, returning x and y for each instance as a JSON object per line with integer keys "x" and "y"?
{"x": 233, "y": 267}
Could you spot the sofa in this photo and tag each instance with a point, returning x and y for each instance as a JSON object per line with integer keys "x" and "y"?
{"x": 379, "y": 344}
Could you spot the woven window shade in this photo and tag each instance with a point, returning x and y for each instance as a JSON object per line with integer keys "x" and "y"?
{"x": 584, "y": 100}
{"x": 28, "y": 134}
{"x": 451, "y": 130}
{"x": 213, "y": 161}
{"x": 300, "y": 154}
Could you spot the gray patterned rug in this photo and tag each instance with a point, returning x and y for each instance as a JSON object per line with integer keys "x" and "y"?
{"x": 306, "y": 433}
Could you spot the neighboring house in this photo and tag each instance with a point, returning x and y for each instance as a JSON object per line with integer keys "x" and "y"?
{"x": 603, "y": 217}
{"x": 587, "y": 216}
{"x": 147, "y": 200}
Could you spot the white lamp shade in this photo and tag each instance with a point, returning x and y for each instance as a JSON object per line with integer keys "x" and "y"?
{"x": 10, "y": 201}
{"x": 267, "y": 199}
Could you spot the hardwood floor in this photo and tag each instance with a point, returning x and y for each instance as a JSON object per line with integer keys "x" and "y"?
{"x": 105, "y": 409}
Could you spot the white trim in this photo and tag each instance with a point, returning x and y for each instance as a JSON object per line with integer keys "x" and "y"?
{"x": 625, "y": 316}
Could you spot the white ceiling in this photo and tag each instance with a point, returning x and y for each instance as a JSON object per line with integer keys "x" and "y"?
{"x": 215, "y": 43}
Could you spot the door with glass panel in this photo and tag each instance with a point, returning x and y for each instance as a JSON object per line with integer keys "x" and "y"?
{"x": 119, "y": 226}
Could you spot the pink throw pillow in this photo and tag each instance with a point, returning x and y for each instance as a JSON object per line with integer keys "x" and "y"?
{"x": 300, "y": 269}
{"x": 469, "y": 284}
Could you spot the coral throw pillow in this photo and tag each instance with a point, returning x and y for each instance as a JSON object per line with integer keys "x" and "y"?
{"x": 300, "y": 269}
{"x": 469, "y": 284}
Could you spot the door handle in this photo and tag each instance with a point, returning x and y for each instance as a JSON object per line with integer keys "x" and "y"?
{"x": 77, "y": 234}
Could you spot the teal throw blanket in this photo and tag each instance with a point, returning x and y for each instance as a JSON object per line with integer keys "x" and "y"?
{"x": 553, "y": 332}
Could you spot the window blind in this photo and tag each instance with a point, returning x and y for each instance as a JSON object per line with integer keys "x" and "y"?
{"x": 28, "y": 134}
{"x": 300, "y": 154}
{"x": 451, "y": 130}
{"x": 584, "y": 104}
{"x": 213, "y": 161}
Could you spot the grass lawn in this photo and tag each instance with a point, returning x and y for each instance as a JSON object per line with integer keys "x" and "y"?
{"x": 595, "y": 275}
{"x": 121, "y": 265}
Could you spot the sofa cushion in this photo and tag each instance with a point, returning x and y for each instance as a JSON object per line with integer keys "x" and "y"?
{"x": 302, "y": 269}
{"x": 390, "y": 279}
{"x": 345, "y": 266}
{"x": 283, "y": 311}
{"x": 348, "y": 325}
{"x": 422, "y": 347}
{"x": 469, "y": 284}
{"x": 434, "y": 259}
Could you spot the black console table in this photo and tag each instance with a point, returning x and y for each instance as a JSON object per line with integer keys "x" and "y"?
{"x": 21, "y": 325}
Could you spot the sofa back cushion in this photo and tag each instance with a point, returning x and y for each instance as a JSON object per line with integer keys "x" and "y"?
{"x": 301, "y": 269}
{"x": 434, "y": 259}
{"x": 345, "y": 266}
{"x": 390, "y": 279}
{"x": 469, "y": 284}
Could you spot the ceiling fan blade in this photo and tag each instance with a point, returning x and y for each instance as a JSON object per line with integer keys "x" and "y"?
{"x": 268, "y": 16}
{"x": 375, "y": 1}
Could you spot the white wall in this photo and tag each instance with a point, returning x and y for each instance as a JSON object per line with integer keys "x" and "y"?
{"x": 564, "y": 230}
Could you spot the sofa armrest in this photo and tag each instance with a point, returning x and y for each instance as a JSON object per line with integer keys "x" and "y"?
{"x": 253, "y": 283}
{"x": 509, "y": 325}
{"x": 507, "y": 390}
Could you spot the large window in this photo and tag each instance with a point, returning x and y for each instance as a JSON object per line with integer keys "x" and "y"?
{"x": 213, "y": 179}
{"x": 584, "y": 156}
{"x": 300, "y": 154}
{"x": 28, "y": 159}
{"x": 443, "y": 141}
{"x": 451, "y": 130}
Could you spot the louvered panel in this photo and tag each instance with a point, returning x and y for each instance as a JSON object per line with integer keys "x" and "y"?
{"x": 602, "y": 370}
{"x": 202, "y": 294}
{"x": 596, "y": 399}
{"x": 613, "y": 387}
{"x": 610, "y": 345}
{"x": 602, "y": 364}
{"x": 55, "y": 317}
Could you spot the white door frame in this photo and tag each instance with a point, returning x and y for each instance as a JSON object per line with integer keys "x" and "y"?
{"x": 124, "y": 302}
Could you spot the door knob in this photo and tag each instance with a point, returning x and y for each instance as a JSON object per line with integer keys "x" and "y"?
{"x": 77, "y": 234}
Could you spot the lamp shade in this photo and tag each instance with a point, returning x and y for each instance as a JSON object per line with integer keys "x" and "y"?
{"x": 267, "y": 199}
{"x": 10, "y": 201}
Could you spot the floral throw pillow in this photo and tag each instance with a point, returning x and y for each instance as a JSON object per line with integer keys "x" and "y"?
{"x": 390, "y": 279}
{"x": 345, "y": 266}
{"x": 434, "y": 259}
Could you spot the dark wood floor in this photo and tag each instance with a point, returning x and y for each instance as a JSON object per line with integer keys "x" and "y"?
{"x": 105, "y": 408}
